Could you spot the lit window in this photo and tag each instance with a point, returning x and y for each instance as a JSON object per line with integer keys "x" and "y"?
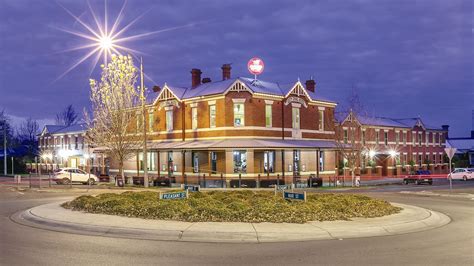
{"x": 427, "y": 135}
{"x": 321, "y": 161}
{"x": 194, "y": 115}
{"x": 268, "y": 115}
{"x": 169, "y": 120}
{"x": 240, "y": 161}
{"x": 151, "y": 161}
{"x": 151, "y": 121}
{"x": 239, "y": 114}
{"x": 269, "y": 162}
{"x": 413, "y": 138}
{"x": 296, "y": 117}
{"x": 212, "y": 116}
{"x": 321, "y": 120}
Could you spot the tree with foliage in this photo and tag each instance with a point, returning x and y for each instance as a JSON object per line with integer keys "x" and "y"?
{"x": 114, "y": 110}
{"x": 67, "y": 117}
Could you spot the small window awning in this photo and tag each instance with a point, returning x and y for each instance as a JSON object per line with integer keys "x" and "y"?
{"x": 258, "y": 144}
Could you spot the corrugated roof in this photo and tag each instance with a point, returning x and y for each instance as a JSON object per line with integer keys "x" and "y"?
{"x": 58, "y": 129}
{"x": 462, "y": 144}
{"x": 385, "y": 121}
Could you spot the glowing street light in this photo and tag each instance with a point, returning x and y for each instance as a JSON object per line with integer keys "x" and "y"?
{"x": 393, "y": 153}
{"x": 372, "y": 154}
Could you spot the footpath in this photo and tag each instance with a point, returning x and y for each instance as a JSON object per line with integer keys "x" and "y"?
{"x": 54, "y": 217}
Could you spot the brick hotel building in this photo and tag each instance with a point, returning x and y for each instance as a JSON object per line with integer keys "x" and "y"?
{"x": 246, "y": 130}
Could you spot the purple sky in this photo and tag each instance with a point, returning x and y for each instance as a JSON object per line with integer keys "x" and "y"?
{"x": 406, "y": 58}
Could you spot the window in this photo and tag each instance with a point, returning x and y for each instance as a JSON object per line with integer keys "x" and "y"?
{"x": 169, "y": 120}
{"x": 420, "y": 159}
{"x": 151, "y": 121}
{"x": 346, "y": 136}
{"x": 413, "y": 138}
{"x": 439, "y": 138}
{"x": 212, "y": 116}
{"x": 433, "y": 139}
{"x": 268, "y": 115}
{"x": 385, "y": 137}
{"x": 296, "y": 117}
{"x": 76, "y": 143}
{"x": 363, "y": 137}
{"x": 151, "y": 161}
{"x": 404, "y": 138}
{"x": 139, "y": 121}
{"x": 420, "y": 138}
{"x": 239, "y": 115}
{"x": 405, "y": 159}
{"x": 321, "y": 120}
{"x": 427, "y": 135}
{"x": 397, "y": 137}
{"x": 377, "y": 137}
{"x": 240, "y": 161}
{"x": 194, "y": 117}
{"x": 269, "y": 162}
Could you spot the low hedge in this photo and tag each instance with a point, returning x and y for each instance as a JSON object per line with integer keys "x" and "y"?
{"x": 234, "y": 206}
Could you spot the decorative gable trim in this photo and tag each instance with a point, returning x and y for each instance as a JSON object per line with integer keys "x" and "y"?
{"x": 165, "y": 95}
{"x": 238, "y": 86}
{"x": 298, "y": 90}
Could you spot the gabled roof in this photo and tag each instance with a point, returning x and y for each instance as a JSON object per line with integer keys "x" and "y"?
{"x": 58, "y": 129}
{"x": 254, "y": 86}
{"x": 385, "y": 121}
{"x": 461, "y": 144}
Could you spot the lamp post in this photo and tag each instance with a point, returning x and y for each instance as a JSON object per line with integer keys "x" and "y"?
{"x": 145, "y": 152}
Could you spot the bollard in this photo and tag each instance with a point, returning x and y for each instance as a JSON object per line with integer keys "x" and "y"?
{"x": 204, "y": 177}
{"x": 258, "y": 181}
{"x": 278, "y": 179}
{"x": 222, "y": 180}
{"x": 240, "y": 180}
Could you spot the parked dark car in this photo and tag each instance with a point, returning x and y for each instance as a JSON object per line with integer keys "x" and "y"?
{"x": 419, "y": 177}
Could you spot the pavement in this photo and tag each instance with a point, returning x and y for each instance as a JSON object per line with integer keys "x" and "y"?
{"x": 53, "y": 217}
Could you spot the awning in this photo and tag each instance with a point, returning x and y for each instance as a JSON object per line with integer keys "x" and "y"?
{"x": 242, "y": 144}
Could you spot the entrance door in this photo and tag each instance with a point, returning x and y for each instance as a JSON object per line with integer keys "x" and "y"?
{"x": 296, "y": 163}
{"x": 195, "y": 162}
{"x": 170, "y": 164}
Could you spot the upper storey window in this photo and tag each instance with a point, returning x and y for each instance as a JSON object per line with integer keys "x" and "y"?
{"x": 296, "y": 117}
{"x": 268, "y": 115}
{"x": 169, "y": 120}
{"x": 239, "y": 114}
{"x": 194, "y": 116}
{"x": 321, "y": 120}
{"x": 212, "y": 115}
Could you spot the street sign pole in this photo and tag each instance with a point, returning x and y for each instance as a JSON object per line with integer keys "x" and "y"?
{"x": 450, "y": 152}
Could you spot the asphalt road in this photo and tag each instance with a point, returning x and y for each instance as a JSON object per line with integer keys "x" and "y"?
{"x": 449, "y": 245}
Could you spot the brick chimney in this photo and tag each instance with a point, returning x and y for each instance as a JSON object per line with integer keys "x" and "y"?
{"x": 446, "y": 128}
{"x": 156, "y": 88}
{"x": 195, "y": 77}
{"x": 311, "y": 85}
{"x": 226, "y": 71}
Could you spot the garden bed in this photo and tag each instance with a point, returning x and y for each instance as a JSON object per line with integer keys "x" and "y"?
{"x": 235, "y": 206}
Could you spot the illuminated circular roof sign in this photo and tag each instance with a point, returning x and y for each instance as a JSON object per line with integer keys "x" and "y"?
{"x": 255, "y": 66}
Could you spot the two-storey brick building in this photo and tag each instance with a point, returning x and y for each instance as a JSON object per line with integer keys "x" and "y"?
{"x": 237, "y": 128}
{"x": 394, "y": 146}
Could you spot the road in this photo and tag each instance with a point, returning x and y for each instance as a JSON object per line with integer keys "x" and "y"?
{"x": 449, "y": 245}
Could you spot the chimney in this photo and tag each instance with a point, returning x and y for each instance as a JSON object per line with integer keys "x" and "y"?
{"x": 195, "y": 77}
{"x": 206, "y": 80}
{"x": 310, "y": 84}
{"x": 226, "y": 71}
{"x": 446, "y": 128}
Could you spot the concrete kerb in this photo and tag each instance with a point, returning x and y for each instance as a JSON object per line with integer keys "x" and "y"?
{"x": 54, "y": 217}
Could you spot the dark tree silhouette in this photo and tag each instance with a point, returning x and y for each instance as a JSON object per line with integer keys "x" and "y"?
{"x": 67, "y": 117}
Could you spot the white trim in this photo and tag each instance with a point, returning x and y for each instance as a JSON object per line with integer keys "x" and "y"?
{"x": 211, "y": 102}
{"x": 239, "y": 128}
{"x": 239, "y": 100}
{"x": 193, "y": 105}
{"x": 320, "y": 108}
{"x": 268, "y": 102}
{"x": 296, "y": 105}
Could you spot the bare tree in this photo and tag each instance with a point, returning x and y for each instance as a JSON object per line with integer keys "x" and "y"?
{"x": 352, "y": 138}
{"x": 27, "y": 133}
{"x": 114, "y": 111}
{"x": 67, "y": 117}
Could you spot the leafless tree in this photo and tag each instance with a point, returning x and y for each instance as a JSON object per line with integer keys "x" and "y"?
{"x": 114, "y": 111}
{"x": 67, "y": 117}
{"x": 28, "y": 130}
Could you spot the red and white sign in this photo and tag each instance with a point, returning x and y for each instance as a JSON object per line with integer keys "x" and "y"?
{"x": 256, "y": 66}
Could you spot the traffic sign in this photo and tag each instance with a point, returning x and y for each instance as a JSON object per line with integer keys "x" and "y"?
{"x": 450, "y": 152}
{"x": 294, "y": 196}
{"x": 174, "y": 195}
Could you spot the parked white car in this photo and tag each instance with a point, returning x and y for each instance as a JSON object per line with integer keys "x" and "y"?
{"x": 64, "y": 175}
{"x": 462, "y": 174}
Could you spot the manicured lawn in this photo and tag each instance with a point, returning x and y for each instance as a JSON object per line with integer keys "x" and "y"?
{"x": 235, "y": 206}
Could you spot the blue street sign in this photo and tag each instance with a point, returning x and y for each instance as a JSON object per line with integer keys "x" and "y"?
{"x": 192, "y": 188}
{"x": 294, "y": 196}
{"x": 174, "y": 195}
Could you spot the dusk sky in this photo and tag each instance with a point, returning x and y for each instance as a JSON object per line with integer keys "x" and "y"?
{"x": 405, "y": 58}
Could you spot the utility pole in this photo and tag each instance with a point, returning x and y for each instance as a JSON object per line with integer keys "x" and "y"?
{"x": 145, "y": 152}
